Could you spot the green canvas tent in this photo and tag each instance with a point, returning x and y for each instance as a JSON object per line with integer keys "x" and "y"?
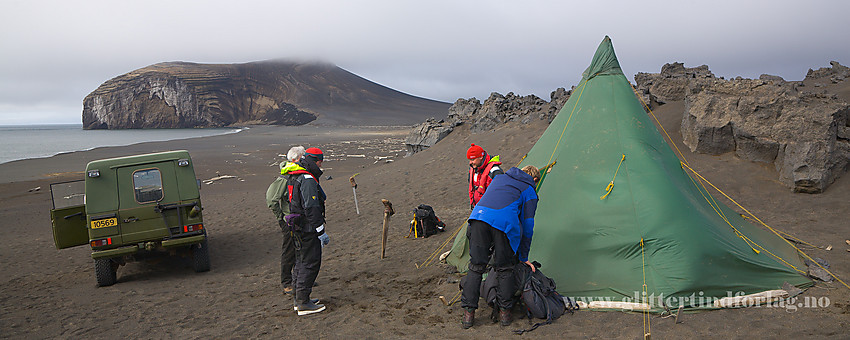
{"x": 656, "y": 227}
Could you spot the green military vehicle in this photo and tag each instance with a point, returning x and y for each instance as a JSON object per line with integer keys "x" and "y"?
{"x": 129, "y": 208}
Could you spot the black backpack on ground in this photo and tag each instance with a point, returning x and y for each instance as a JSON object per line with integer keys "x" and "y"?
{"x": 540, "y": 297}
{"x": 426, "y": 222}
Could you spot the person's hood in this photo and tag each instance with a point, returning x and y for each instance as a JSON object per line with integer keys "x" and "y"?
{"x": 288, "y": 167}
{"x": 520, "y": 175}
{"x": 310, "y": 165}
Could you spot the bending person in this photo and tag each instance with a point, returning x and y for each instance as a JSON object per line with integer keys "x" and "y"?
{"x": 501, "y": 226}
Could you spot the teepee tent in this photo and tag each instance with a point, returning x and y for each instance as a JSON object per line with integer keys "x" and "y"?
{"x": 620, "y": 219}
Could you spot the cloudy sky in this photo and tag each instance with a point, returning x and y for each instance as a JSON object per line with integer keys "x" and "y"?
{"x": 53, "y": 53}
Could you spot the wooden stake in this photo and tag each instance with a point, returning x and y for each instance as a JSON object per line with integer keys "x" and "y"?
{"x": 388, "y": 211}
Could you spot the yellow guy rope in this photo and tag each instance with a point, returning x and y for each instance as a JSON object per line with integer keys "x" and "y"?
{"x": 455, "y": 298}
{"x": 611, "y": 184}
{"x": 550, "y": 163}
{"x": 647, "y": 328}
{"x": 568, "y": 120}
{"x": 435, "y": 254}
{"x": 787, "y": 235}
{"x": 775, "y": 231}
{"x": 769, "y": 228}
{"x": 659, "y": 124}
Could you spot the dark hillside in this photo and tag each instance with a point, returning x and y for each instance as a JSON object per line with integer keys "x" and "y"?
{"x": 182, "y": 95}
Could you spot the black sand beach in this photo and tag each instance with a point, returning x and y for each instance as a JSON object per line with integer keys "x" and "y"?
{"x": 48, "y": 293}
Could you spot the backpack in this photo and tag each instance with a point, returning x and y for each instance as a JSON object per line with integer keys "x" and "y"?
{"x": 425, "y": 222}
{"x": 540, "y": 297}
{"x": 276, "y": 197}
{"x": 488, "y": 290}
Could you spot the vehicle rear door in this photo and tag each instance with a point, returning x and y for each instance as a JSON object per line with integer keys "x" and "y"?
{"x": 142, "y": 189}
{"x": 68, "y": 215}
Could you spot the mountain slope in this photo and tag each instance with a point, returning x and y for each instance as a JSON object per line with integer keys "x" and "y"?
{"x": 181, "y": 95}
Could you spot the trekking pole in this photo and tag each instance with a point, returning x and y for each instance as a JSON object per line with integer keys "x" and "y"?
{"x": 388, "y": 211}
{"x": 354, "y": 189}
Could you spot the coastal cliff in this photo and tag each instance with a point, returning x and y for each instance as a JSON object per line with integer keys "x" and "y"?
{"x": 188, "y": 95}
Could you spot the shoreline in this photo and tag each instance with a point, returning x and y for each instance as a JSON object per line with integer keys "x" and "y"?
{"x": 82, "y": 146}
{"x": 62, "y": 163}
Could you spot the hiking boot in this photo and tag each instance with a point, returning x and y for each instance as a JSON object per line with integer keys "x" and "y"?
{"x": 313, "y": 301}
{"x": 468, "y": 318}
{"x": 505, "y": 317}
{"x": 309, "y": 308}
{"x": 288, "y": 290}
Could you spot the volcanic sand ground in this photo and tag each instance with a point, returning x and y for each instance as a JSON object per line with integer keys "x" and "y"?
{"x": 49, "y": 293}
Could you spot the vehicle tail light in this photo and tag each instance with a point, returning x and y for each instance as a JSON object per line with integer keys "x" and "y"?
{"x": 101, "y": 242}
{"x": 193, "y": 227}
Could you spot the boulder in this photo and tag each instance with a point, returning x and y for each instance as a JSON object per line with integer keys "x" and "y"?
{"x": 802, "y": 134}
{"x": 426, "y": 134}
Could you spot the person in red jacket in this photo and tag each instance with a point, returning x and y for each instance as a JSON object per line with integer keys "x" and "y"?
{"x": 482, "y": 169}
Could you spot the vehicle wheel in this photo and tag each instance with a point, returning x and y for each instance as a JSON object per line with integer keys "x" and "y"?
{"x": 201, "y": 257}
{"x": 106, "y": 272}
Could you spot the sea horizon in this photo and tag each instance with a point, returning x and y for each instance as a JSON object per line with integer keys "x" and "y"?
{"x": 28, "y": 141}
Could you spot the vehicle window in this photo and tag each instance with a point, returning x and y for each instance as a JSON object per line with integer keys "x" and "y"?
{"x": 68, "y": 194}
{"x": 147, "y": 185}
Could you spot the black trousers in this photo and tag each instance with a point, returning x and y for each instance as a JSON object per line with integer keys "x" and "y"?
{"x": 485, "y": 241}
{"x": 287, "y": 255}
{"x": 308, "y": 260}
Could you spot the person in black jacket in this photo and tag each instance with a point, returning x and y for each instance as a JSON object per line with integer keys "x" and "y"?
{"x": 307, "y": 204}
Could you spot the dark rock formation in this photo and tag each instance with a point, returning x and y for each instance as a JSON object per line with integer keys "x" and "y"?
{"x": 180, "y": 95}
{"x": 427, "y": 134}
{"x": 670, "y": 84}
{"x": 805, "y": 135}
{"x": 495, "y": 111}
{"x": 836, "y": 72}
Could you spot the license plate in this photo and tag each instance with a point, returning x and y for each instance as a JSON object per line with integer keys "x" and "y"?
{"x": 107, "y": 222}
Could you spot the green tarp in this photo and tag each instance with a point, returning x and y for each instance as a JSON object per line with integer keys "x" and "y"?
{"x": 656, "y": 226}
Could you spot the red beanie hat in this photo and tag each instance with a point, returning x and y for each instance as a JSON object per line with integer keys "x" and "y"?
{"x": 474, "y": 152}
{"x": 316, "y": 153}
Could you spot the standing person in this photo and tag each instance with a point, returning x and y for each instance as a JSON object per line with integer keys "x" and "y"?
{"x": 277, "y": 199}
{"x": 307, "y": 210}
{"x": 482, "y": 170}
{"x": 501, "y": 226}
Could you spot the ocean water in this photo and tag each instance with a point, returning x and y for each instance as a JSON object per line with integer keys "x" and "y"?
{"x": 35, "y": 141}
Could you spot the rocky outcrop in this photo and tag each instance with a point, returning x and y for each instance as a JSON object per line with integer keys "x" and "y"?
{"x": 495, "y": 111}
{"x": 670, "y": 84}
{"x": 804, "y": 134}
{"x": 181, "y": 95}
{"x": 836, "y": 73}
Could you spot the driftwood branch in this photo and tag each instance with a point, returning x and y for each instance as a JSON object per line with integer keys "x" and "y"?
{"x": 388, "y": 211}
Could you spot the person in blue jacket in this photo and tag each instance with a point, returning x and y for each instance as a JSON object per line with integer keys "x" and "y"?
{"x": 501, "y": 226}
